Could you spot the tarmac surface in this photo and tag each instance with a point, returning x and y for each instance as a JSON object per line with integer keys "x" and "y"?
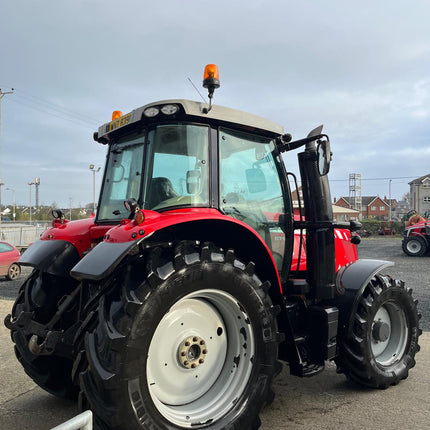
{"x": 326, "y": 401}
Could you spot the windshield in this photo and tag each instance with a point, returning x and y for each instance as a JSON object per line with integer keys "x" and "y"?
{"x": 175, "y": 172}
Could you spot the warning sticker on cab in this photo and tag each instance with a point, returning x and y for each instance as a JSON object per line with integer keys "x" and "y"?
{"x": 121, "y": 121}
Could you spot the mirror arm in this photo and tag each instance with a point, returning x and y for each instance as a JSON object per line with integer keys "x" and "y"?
{"x": 289, "y": 146}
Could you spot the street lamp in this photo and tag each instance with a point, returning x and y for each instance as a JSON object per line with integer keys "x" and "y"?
{"x": 14, "y": 203}
{"x": 30, "y": 184}
{"x": 2, "y": 94}
{"x": 92, "y": 168}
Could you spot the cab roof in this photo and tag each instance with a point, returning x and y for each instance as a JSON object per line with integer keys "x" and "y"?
{"x": 196, "y": 110}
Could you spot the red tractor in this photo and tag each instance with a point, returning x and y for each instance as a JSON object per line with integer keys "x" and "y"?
{"x": 416, "y": 236}
{"x": 174, "y": 307}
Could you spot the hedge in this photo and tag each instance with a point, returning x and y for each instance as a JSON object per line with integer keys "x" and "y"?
{"x": 374, "y": 226}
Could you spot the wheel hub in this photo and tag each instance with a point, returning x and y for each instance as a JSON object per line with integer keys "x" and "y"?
{"x": 381, "y": 331}
{"x": 192, "y": 352}
{"x": 389, "y": 334}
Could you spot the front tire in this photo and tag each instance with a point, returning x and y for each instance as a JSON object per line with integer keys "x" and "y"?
{"x": 414, "y": 246}
{"x": 194, "y": 346}
{"x": 385, "y": 333}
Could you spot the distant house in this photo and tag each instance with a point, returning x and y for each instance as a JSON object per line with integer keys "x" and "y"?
{"x": 371, "y": 206}
{"x": 402, "y": 208}
{"x": 340, "y": 213}
{"x": 420, "y": 194}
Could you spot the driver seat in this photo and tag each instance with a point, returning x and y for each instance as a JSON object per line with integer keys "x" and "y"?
{"x": 161, "y": 189}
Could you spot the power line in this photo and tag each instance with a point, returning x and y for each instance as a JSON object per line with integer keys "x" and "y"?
{"x": 56, "y": 114}
{"x": 42, "y": 105}
{"x": 53, "y": 106}
{"x": 376, "y": 179}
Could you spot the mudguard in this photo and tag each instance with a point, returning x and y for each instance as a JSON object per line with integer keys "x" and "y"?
{"x": 56, "y": 257}
{"x": 351, "y": 281}
{"x": 102, "y": 260}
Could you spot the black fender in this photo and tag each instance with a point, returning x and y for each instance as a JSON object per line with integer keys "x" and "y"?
{"x": 351, "y": 280}
{"x": 102, "y": 260}
{"x": 56, "y": 257}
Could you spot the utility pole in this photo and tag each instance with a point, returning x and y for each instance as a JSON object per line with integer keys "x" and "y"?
{"x": 389, "y": 197}
{"x": 14, "y": 203}
{"x": 94, "y": 185}
{"x": 2, "y": 94}
{"x": 36, "y": 186}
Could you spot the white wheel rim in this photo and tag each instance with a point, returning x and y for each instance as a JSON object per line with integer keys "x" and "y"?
{"x": 413, "y": 246}
{"x": 220, "y": 337}
{"x": 392, "y": 319}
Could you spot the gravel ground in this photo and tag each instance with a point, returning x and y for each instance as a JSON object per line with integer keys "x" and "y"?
{"x": 413, "y": 270}
{"x": 9, "y": 289}
{"x": 326, "y": 401}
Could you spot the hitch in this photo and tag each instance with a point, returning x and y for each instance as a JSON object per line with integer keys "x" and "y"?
{"x": 48, "y": 346}
{"x": 53, "y": 341}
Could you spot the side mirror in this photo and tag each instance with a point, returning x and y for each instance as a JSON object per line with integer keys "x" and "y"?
{"x": 193, "y": 181}
{"x": 355, "y": 225}
{"x": 324, "y": 157}
{"x": 255, "y": 180}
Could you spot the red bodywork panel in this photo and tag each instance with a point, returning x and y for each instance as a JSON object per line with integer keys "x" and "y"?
{"x": 346, "y": 252}
{"x": 85, "y": 234}
{"x": 418, "y": 229}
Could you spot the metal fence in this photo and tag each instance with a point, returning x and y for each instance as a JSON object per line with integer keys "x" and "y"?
{"x": 22, "y": 235}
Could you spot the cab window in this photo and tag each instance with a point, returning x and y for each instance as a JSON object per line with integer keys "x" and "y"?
{"x": 250, "y": 189}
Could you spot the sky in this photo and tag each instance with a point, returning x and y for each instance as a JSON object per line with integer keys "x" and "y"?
{"x": 360, "y": 68}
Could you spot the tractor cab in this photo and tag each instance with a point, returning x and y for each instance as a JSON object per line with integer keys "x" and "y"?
{"x": 177, "y": 156}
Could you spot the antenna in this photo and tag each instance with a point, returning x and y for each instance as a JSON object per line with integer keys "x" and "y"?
{"x": 198, "y": 92}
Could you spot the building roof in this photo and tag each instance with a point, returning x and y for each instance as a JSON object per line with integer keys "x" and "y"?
{"x": 420, "y": 180}
{"x": 365, "y": 200}
{"x": 341, "y": 210}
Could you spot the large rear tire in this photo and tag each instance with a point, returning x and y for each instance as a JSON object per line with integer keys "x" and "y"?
{"x": 40, "y": 294}
{"x": 385, "y": 335}
{"x": 193, "y": 346}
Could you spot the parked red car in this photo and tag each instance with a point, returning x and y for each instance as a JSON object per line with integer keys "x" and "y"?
{"x": 9, "y": 257}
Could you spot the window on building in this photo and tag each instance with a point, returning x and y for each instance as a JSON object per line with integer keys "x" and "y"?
{"x": 382, "y": 208}
{"x": 427, "y": 199}
{"x": 373, "y": 208}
